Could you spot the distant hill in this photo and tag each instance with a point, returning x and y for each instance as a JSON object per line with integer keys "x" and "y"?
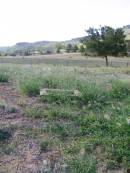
{"x": 73, "y": 41}
{"x": 40, "y": 46}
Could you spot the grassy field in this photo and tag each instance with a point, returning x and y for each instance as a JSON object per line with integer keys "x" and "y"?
{"x": 58, "y": 132}
{"x": 71, "y": 59}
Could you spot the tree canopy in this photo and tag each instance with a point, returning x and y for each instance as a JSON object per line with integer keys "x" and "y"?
{"x": 105, "y": 41}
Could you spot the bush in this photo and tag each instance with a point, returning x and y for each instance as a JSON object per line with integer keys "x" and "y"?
{"x": 4, "y": 134}
{"x": 63, "y": 131}
{"x": 79, "y": 165}
{"x": 34, "y": 112}
{"x": 58, "y": 98}
{"x": 120, "y": 89}
{"x": 93, "y": 94}
{"x": 4, "y": 77}
{"x": 65, "y": 112}
{"x": 7, "y": 109}
{"x": 30, "y": 87}
{"x": 45, "y": 146}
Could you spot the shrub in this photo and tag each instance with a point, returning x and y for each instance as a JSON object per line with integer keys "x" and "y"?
{"x": 58, "y": 98}
{"x": 65, "y": 112}
{"x": 7, "y": 109}
{"x": 93, "y": 94}
{"x": 63, "y": 131}
{"x": 34, "y": 112}
{"x": 120, "y": 89}
{"x": 79, "y": 165}
{"x": 30, "y": 87}
{"x": 112, "y": 164}
{"x": 4, "y": 77}
{"x": 45, "y": 146}
{"x": 4, "y": 134}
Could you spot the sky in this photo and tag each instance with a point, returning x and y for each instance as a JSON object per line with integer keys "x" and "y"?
{"x": 57, "y": 20}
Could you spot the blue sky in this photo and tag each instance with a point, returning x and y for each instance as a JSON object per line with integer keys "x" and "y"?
{"x": 34, "y": 20}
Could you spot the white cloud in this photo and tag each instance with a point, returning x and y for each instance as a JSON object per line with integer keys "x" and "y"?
{"x": 32, "y": 20}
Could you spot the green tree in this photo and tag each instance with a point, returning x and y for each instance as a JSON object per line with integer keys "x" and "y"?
{"x": 58, "y": 47}
{"x": 106, "y": 41}
{"x": 82, "y": 49}
{"x": 75, "y": 48}
{"x": 69, "y": 48}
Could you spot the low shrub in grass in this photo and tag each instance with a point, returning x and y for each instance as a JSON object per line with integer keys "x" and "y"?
{"x": 66, "y": 112}
{"x": 93, "y": 94}
{"x": 7, "y": 148}
{"x": 92, "y": 125}
{"x": 57, "y": 97}
{"x": 4, "y": 77}
{"x": 7, "y": 109}
{"x": 63, "y": 131}
{"x": 120, "y": 89}
{"x": 45, "y": 146}
{"x": 5, "y": 134}
{"x": 112, "y": 165}
{"x": 96, "y": 95}
{"x": 79, "y": 148}
{"x": 50, "y": 82}
{"x": 30, "y": 87}
{"x": 81, "y": 165}
{"x": 34, "y": 112}
{"x": 58, "y": 81}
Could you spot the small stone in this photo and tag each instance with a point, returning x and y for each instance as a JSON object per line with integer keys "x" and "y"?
{"x": 106, "y": 116}
{"x": 43, "y": 92}
{"x": 45, "y": 163}
{"x": 77, "y": 93}
{"x": 82, "y": 152}
{"x": 30, "y": 145}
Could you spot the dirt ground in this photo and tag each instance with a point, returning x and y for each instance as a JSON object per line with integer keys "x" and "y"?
{"x": 26, "y": 157}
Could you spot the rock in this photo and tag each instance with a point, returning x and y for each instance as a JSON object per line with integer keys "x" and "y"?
{"x": 73, "y": 93}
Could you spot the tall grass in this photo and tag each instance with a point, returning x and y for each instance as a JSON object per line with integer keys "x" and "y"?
{"x": 30, "y": 86}
{"x": 120, "y": 89}
{"x": 83, "y": 165}
{"x": 4, "y": 76}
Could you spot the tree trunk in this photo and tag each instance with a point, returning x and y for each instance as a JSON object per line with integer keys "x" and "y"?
{"x": 106, "y": 58}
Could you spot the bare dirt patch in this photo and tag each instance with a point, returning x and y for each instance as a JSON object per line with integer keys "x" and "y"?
{"x": 22, "y": 151}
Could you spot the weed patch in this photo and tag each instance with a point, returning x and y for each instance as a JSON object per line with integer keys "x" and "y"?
{"x": 4, "y": 76}
{"x": 4, "y": 134}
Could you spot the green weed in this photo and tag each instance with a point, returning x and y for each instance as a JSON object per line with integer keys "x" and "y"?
{"x": 35, "y": 112}
{"x": 120, "y": 89}
{"x": 85, "y": 165}
{"x": 45, "y": 146}
{"x": 5, "y": 134}
{"x": 4, "y": 76}
{"x": 30, "y": 87}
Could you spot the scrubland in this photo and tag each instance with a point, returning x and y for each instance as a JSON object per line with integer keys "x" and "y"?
{"x": 58, "y": 132}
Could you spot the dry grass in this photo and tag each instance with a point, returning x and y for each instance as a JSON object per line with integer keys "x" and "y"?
{"x": 72, "y": 59}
